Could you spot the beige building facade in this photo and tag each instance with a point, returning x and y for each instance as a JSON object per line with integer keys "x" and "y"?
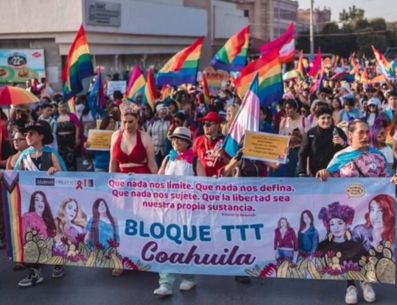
{"x": 121, "y": 33}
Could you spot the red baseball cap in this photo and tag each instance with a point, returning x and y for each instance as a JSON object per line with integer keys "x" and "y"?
{"x": 212, "y": 117}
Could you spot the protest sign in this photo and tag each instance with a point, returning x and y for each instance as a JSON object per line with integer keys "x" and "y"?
{"x": 119, "y": 85}
{"x": 266, "y": 147}
{"x": 99, "y": 139}
{"x": 280, "y": 228}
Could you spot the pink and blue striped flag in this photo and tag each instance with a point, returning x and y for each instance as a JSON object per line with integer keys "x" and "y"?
{"x": 247, "y": 118}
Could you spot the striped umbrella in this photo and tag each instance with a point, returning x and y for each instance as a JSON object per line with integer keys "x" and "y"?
{"x": 16, "y": 96}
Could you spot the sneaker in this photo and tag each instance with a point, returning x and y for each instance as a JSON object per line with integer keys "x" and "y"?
{"x": 186, "y": 285}
{"x": 163, "y": 291}
{"x": 351, "y": 295}
{"x": 368, "y": 292}
{"x": 58, "y": 272}
{"x": 85, "y": 162}
{"x": 34, "y": 277}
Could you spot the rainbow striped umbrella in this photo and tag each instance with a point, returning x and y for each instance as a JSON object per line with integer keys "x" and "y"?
{"x": 16, "y": 96}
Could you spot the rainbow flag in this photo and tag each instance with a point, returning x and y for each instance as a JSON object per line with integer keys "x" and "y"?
{"x": 136, "y": 83}
{"x": 247, "y": 118}
{"x": 182, "y": 68}
{"x": 78, "y": 66}
{"x": 284, "y": 46}
{"x": 271, "y": 87}
{"x": 72, "y": 105}
{"x": 11, "y": 199}
{"x": 385, "y": 66}
{"x": 206, "y": 91}
{"x": 233, "y": 55}
{"x": 150, "y": 89}
{"x": 166, "y": 93}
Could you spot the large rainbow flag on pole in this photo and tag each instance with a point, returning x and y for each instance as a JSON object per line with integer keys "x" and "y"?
{"x": 233, "y": 55}
{"x": 150, "y": 89}
{"x": 182, "y": 68}
{"x": 271, "y": 87}
{"x": 284, "y": 46}
{"x": 78, "y": 66}
{"x": 247, "y": 118}
{"x": 136, "y": 83}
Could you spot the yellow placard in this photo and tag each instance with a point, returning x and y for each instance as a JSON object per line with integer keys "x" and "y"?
{"x": 99, "y": 139}
{"x": 266, "y": 147}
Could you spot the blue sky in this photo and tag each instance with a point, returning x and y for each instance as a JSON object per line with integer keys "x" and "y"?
{"x": 373, "y": 8}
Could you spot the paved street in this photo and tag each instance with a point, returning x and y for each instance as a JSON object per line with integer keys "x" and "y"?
{"x": 96, "y": 286}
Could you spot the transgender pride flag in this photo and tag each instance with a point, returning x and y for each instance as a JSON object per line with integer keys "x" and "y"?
{"x": 247, "y": 118}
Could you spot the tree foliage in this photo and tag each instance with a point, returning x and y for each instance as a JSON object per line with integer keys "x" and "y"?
{"x": 354, "y": 33}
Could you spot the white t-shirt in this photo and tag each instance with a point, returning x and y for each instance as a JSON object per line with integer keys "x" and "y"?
{"x": 388, "y": 153}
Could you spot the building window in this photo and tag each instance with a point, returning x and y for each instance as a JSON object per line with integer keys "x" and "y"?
{"x": 246, "y": 13}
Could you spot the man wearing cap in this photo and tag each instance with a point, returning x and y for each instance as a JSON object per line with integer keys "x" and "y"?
{"x": 208, "y": 147}
{"x": 181, "y": 161}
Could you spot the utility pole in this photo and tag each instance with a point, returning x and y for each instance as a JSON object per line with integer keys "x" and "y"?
{"x": 311, "y": 27}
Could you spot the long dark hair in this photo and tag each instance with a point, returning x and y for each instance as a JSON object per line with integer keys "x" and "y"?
{"x": 302, "y": 222}
{"x": 95, "y": 222}
{"x": 47, "y": 214}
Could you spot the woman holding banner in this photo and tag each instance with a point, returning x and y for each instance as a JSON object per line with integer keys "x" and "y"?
{"x": 131, "y": 150}
{"x": 39, "y": 157}
{"x": 181, "y": 161}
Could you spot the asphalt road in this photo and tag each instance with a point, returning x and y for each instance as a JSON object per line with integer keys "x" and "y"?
{"x": 96, "y": 286}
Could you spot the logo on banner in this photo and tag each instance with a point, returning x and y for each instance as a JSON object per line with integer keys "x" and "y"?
{"x": 85, "y": 183}
{"x": 45, "y": 181}
{"x": 356, "y": 191}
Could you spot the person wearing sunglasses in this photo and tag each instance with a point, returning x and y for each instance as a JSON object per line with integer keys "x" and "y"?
{"x": 209, "y": 147}
{"x": 20, "y": 144}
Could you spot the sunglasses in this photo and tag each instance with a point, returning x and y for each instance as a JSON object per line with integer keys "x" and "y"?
{"x": 208, "y": 124}
{"x": 18, "y": 140}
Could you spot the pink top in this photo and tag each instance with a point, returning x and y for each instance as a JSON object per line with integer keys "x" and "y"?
{"x": 32, "y": 221}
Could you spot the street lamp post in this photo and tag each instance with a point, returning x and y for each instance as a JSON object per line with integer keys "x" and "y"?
{"x": 311, "y": 27}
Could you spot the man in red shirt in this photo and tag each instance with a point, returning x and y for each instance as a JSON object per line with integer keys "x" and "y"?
{"x": 209, "y": 147}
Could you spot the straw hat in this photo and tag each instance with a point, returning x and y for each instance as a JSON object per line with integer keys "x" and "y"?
{"x": 182, "y": 133}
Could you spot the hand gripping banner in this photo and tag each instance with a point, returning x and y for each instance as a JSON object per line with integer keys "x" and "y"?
{"x": 281, "y": 228}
